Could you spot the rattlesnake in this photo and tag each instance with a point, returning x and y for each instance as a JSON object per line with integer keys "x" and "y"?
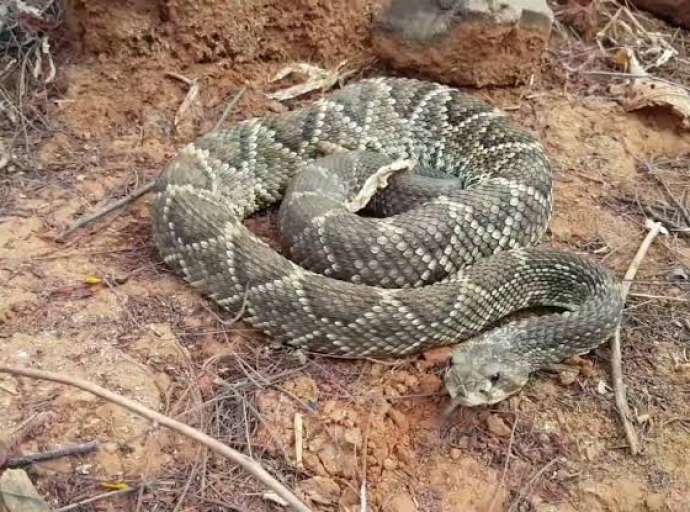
{"x": 469, "y": 197}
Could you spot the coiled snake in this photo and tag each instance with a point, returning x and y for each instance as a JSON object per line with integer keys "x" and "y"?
{"x": 446, "y": 250}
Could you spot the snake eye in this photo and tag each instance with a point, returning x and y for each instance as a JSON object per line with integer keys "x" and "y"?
{"x": 495, "y": 378}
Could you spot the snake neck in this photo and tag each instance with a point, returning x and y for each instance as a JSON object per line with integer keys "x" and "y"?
{"x": 539, "y": 342}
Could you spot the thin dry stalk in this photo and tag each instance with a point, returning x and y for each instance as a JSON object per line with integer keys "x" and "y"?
{"x": 115, "y": 205}
{"x": 616, "y": 359}
{"x": 27, "y": 460}
{"x": 506, "y": 463}
{"x": 299, "y": 439}
{"x": 249, "y": 465}
{"x": 99, "y": 497}
{"x": 229, "y": 109}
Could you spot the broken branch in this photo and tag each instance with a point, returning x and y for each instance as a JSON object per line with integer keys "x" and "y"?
{"x": 250, "y": 465}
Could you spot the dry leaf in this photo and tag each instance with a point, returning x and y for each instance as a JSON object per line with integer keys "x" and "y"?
{"x": 18, "y": 494}
{"x": 316, "y": 79}
{"x": 192, "y": 93}
{"x": 647, "y": 91}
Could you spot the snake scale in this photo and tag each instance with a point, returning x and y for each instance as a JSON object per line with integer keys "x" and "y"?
{"x": 444, "y": 251}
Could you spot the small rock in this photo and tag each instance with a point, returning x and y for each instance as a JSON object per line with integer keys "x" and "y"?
{"x": 437, "y": 357}
{"x": 401, "y": 503}
{"x": 353, "y": 436}
{"x": 584, "y": 366}
{"x": 567, "y": 377}
{"x": 591, "y": 452}
{"x": 390, "y": 391}
{"x": 390, "y": 464}
{"x": 320, "y": 489}
{"x": 377, "y": 370}
{"x": 380, "y": 408}
{"x": 478, "y": 43}
{"x": 18, "y": 494}
{"x": 601, "y": 387}
{"x": 328, "y": 455}
{"x": 587, "y": 368}
{"x": 429, "y": 384}
{"x": 403, "y": 453}
{"x": 334, "y": 411}
{"x": 399, "y": 419}
{"x": 455, "y": 454}
{"x": 313, "y": 464}
{"x": 349, "y": 498}
{"x": 410, "y": 381}
{"x": 498, "y": 426}
{"x": 655, "y": 502}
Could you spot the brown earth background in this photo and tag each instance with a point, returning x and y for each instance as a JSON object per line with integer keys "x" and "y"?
{"x": 557, "y": 447}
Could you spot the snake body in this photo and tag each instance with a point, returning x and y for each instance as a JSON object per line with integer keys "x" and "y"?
{"x": 469, "y": 196}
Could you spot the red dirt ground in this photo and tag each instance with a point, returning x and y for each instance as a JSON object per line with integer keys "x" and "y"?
{"x": 557, "y": 447}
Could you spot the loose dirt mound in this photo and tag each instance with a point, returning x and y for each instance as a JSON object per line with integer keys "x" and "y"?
{"x": 140, "y": 331}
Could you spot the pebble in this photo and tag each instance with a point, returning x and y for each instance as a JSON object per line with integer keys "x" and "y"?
{"x": 567, "y": 377}
{"x": 655, "y": 502}
{"x": 498, "y": 426}
{"x": 401, "y": 503}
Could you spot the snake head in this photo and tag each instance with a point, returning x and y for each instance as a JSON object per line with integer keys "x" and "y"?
{"x": 481, "y": 375}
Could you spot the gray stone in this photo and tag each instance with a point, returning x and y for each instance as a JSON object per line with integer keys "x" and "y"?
{"x": 470, "y": 42}
{"x": 17, "y": 493}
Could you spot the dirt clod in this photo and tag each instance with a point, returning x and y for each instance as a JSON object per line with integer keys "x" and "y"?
{"x": 498, "y": 426}
{"x": 320, "y": 490}
{"x": 401, "y": 503}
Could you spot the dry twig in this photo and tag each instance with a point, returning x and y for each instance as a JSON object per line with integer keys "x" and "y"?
{"x": 189, "y": 98}
{"x": 146, "y": 187}
{"x": 229, "y": 109}
{"x": 98, "y": 497}
{"x": 26, "y": 460}
{"x": 616, "y": 359}
{"x": 92, "y": 217}
{"x": 299, "y": 439}
{"x": 249, "y": 465}
{"x": 506, "y": 463}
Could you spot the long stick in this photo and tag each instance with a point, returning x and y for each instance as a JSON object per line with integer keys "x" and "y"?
{"x": 616, "y": 358}
{"x": 238, "y": 458}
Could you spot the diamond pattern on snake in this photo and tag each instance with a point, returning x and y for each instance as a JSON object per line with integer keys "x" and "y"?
{"x": 411, "y": 213}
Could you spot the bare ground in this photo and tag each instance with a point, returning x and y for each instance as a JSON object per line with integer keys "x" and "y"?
{"x": 141, "y": 331}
